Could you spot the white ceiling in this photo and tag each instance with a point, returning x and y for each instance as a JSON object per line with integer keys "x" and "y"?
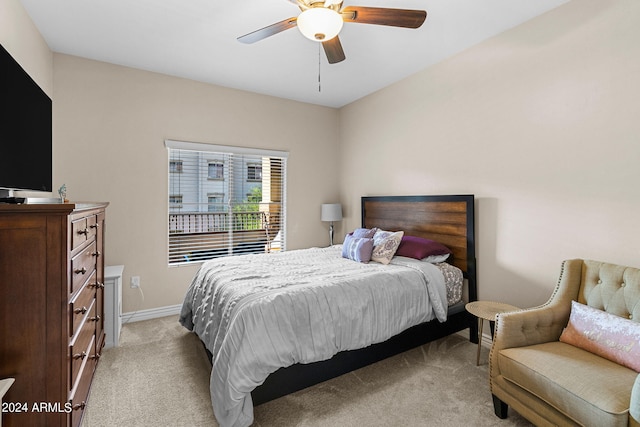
{"x": 196, "y": 39}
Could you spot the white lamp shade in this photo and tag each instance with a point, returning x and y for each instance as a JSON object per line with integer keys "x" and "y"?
{"x": 331, "y": 212}
{"x": 320, "y": 24}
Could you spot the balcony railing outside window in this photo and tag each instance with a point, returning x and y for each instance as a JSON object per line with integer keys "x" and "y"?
{"x": 215, "y": 222}
{"x": 200, "y": 236}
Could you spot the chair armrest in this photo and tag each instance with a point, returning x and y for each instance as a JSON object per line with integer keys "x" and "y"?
{"x": 539, "y": 324}
{"x": 634, "y": 406}
{"x": 527, "y": 327}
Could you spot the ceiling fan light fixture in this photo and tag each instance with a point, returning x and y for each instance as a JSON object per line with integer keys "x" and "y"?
{"x": 320, "y": 24}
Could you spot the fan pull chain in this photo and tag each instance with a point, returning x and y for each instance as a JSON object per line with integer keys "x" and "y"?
{"x": 319, "y": 83}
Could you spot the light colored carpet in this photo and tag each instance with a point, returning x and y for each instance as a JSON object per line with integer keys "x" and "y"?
{"x": 159, "y": 376}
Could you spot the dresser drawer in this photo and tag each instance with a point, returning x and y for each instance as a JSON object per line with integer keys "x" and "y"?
{"x": 82, "y": 346}
{"x": 80, "y": 391}
{"x": 79, "y": 232}
{"x": 81, "y": 303}
{"x": 82, "y": 266}
{"x": 92, "y": 226}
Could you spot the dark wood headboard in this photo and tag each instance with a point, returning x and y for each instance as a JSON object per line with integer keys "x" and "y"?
{"x": 448, "y": 219}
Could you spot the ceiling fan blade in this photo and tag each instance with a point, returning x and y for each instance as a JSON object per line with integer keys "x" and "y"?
{"x": 382, "y": 16}
{"x": 333, "y": 50}
{"x": 268, "y": 31}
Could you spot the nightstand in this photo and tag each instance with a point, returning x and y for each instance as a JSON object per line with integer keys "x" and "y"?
{"x": 487, "y": 310}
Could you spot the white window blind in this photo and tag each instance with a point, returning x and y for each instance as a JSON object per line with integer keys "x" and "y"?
{"x": 224, "y": 201}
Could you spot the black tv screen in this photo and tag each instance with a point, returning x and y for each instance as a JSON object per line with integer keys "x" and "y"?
{"x": 25, "y": 129}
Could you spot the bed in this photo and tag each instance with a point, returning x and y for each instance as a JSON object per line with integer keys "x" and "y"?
{"x": 277, "y": 323}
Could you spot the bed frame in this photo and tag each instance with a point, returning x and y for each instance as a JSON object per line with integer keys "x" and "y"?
{"x": 446, "y": 219}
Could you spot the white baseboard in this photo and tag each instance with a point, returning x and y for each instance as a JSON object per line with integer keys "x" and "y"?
{"x": 152, "y": 313}
{"x": 486, "y": 340}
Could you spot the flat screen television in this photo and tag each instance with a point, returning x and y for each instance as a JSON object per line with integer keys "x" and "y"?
{"x": 25, "y": 131}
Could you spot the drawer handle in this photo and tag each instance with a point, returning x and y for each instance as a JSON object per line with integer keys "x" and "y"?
{"x": 79, "y": 406}
{"x": 80, "y": 356}
{"x": 85, "y": 232}
{"x": 97, "y": 285}
{"x": 95, "y": 357}
{"x": 82, "y": 310}
{"x": 80, "y": 270}
{"x": 94, "y": 225}
{"x": 96, "y": 254}
{"x": 95, "y": 319}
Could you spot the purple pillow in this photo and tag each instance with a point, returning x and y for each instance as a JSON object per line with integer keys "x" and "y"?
{"x": 363, "y": 232}
{"x": 419, "y": 248}
{"x": 357, "y": 248}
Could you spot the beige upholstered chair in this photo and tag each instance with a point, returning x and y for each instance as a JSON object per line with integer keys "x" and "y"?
{"x": 550, "y": 382}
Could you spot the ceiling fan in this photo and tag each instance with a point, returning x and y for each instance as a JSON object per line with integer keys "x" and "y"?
{"x": 322, "y": 20}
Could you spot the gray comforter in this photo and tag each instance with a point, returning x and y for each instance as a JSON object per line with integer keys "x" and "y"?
{"x": 258, "y": 313}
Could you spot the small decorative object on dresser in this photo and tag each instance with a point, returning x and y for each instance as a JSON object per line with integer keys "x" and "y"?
{"x": 62, "y": 192}
{"x": 51, "y": 308}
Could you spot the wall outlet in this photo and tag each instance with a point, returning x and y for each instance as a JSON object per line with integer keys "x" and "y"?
{"x": 135, "y": 282}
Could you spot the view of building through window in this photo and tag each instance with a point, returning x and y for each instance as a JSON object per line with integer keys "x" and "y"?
{"x": 222, "y": 203}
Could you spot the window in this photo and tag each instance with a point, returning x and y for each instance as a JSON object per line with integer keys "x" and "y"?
{"x": 254, "y": 172}
{"x": 175, "y": 201}
{"x": 216, "y": 170}
{"x": 175, "y": 166}
{"x": 225, "y": 201}
{"x": 215, "y": 202}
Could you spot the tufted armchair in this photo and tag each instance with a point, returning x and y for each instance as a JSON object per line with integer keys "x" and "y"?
{"x": 550, "y": 382}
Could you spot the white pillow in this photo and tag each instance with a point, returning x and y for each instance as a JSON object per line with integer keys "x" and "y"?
{"x": 434, "y": 259}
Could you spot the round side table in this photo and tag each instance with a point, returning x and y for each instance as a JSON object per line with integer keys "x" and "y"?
{"x": 487, "y": 310}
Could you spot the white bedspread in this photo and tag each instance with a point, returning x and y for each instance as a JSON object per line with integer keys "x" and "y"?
{"x": 258, "y": 313}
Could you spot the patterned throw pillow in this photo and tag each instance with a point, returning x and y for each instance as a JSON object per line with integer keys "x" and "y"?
{"x": 385, "y": 245}
{"x": 357, "y": 248}
{"x": 605, "y": 334}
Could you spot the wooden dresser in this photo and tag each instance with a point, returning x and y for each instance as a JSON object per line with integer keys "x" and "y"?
{"x": 51, "y": 309}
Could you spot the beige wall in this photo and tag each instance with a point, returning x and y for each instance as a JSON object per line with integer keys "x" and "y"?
{"x": 23, "y": 41}
{"x": 111, "y": 123}
{"x": 541, "y": 123}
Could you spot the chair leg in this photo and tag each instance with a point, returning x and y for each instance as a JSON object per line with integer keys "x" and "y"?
{"x": 499, "y": 407}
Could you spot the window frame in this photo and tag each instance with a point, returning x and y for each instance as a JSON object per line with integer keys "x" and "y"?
{"x": 252, "y": 167}
{"x": 219, "y": 170}
{"x": 273, "y": 213}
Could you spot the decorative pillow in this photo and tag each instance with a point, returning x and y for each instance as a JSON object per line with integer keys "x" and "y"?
{"x": 435, "y": 259}
{"x": 605, "y": 334}
{"x": 357, "y": 248}
{"x": 363, "y": 232}
{"x": 419, "y": 248}
{"x": 385, "y": 245}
